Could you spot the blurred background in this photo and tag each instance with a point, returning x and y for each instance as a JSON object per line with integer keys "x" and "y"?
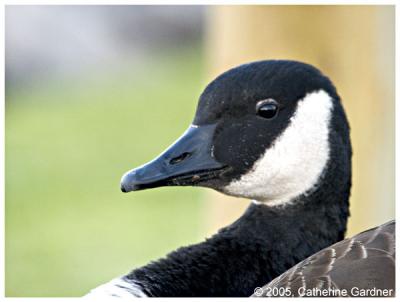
{"x": 93, "y": 91}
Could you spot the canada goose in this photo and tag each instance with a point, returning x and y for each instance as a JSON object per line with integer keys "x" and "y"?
{"x": 271, "y": 131}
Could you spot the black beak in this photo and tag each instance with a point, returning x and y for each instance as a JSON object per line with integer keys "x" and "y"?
{"x": 188, "y": 161}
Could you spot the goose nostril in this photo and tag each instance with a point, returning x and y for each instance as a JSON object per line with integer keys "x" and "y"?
{"x": 180, "y": 158}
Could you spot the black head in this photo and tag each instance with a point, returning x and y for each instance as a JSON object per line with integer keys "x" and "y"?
{"x": 256, "y": 126}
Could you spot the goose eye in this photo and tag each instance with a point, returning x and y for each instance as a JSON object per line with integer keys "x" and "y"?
{"x": 267, "y": 109}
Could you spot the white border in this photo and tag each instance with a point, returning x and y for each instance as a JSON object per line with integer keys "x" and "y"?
{"x": 199, "y": 2}
{"x": 397, "y": 133}
{"x": 2, "y": 160}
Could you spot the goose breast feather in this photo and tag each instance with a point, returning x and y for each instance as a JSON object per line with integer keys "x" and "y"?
{"x": 363, "y": 265}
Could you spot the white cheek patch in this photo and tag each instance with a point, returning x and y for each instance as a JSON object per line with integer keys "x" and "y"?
{"x": 297, "y": 158}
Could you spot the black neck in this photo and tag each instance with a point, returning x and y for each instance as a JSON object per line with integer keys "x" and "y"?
{"x": 263, "y": 243}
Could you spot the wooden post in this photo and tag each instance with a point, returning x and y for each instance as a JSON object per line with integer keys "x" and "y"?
{"x": 354, "y": 46}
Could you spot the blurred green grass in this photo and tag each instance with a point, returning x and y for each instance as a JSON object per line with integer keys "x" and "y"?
{"x": 68, "y": 226}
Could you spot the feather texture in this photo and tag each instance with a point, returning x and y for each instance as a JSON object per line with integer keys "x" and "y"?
{"x": 351, "y": 267}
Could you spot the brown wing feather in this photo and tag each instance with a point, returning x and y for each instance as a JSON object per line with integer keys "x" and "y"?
{"x": 365, "y": 261}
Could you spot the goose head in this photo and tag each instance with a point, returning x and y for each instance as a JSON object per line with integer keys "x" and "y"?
{"x": 266, "y": 131}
